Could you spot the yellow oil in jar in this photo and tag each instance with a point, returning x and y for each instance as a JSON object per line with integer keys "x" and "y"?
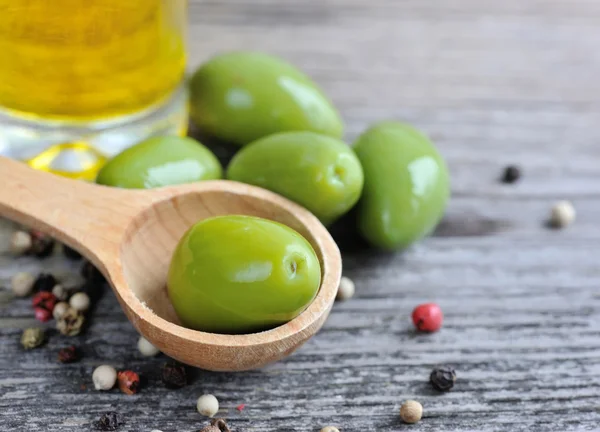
{"x": 82, "y": 60}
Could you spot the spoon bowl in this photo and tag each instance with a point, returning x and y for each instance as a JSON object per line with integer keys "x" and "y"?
{"x": 130, "y": 235}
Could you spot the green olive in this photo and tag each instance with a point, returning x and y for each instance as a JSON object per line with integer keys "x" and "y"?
{"x": 160, "y": 161}
{"x": 319, "y": 172}
{"x": 241, "y": 274}
{"x": 406, "y": 185}
{"x": 243, "y": 96}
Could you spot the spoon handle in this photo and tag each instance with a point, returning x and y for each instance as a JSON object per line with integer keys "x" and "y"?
{"x": 85, "y": 216}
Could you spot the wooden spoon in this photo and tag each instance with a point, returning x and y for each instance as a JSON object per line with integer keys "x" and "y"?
{"x": 130, "y": 236}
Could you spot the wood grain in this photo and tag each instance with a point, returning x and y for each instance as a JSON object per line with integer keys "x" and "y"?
{"x": 493, "y": 83}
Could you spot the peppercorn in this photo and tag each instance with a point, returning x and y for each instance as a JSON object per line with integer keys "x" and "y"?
{"x": 217, "y": 425}
{"x": 71, "y": 253}
{"x": 330, "y": 429}
{"x": 44, "y": 282}
{"x": 428, "y": 317}
{"x": 68, "y": 355}
{"x": 174, "y": 375}
{"x": 129, "y": 382}
{"x": 42, "y": 245}
{"x": 411, "y": 411}
{"x": 80, "y": 301}
{"x": 109, "y": 421}
{"x": 32, "y": 338}
{"x": 45, "y": 300}
{"x": 60, "y": 309}
{"x": 346, "y": 289}
{"x": 207, "y": 405}
{"x": 442, "y": 378}
{"x": 511, "y": 174}
{"x": 146, "y": 348}
{"x": 60, "y": 292}
{"x": 71, "y": 323}
{"x": 22, "y": 284}
{"x": 42, "y": 314}
{"x": 20, "y": 242}
{"x": 104, "y": 377}
{"x": 90, "y": 273}
{"x": 562, "y": 215}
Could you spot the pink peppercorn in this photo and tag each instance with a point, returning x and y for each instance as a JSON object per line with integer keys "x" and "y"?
{"x": 42, "y": 314}
{"x": 45, "y": 300}
{"x": 428, "y": 317}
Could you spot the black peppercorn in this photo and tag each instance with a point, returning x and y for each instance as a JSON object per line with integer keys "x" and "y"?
{"x": 42, "y": 245}
{"x": 109, "y": 421}
{"x": 71, "y": 253}
{"x": 511, "y": 174}
{"x": 91, "y": 274}
{"x": 68, "y": 355}
{"x": 174, "y": 375}
{"x": 216, "y": 425}
{"x": 442, "y": 378}
{"x": 44, "y": 282}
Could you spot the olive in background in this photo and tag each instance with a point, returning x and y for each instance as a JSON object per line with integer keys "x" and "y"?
{"x": 160, "y": 161}
{"x": 406, "y": 185}
{"x": 241, "y": 274}
{"x": 319, "y": 172}
{"x": 242, "y": 96}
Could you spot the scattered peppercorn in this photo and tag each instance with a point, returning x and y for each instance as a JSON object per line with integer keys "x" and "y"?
{"x": 60, "y": 309}
{"x": 80, "y": 301}
{"x": 562, "y": 214}
{"x": 69, "y": 355}
{"x": 109, "y": 421}
{"x": 44, "y": 300}
{"x": 174, "y": 375}
{"x": 330, "y": 429}
{"x": 240, "y": 407}
{"x": 42, "y": 314}
{"x": 428, "y": 317}
{"x": 90, "y": 273}
{"x": 22, "y": 284}
{"x": 20, "y": 242}
{"x": 32, "y": 338}
{"x": 346, "y": 289}
{"x": 60, "y": 292}
{"x": 146, "y": 348}
{"x": 42, "y": 245}
{"x": 71, "y": 253}
{"x": 129, "y": 382}
{"x": 511, "y": 174}
{"x": 217, "y": 425}
{"x": 104, "y": 377}
{"x": 207, "y": 405}
{"x": 442, "y": 378}
{"x": 44, "y": 282}
{"x": 71, "y": 323}
{"x": 411, "y": 411}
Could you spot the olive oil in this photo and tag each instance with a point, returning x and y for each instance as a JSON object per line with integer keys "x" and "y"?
{"x": 81, "y": 60}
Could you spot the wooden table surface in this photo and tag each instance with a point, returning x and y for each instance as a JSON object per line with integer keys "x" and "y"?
{"x": 493, "y": 83}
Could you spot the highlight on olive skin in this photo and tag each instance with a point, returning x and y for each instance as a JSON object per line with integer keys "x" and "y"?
{"x": 241, "y": 274}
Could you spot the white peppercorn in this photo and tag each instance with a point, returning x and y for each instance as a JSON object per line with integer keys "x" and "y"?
{"x": 411, "y": 411}
{"x": 207, "y": 405}
{"x": 22, "y": 284}
{"x": 20, "y": 242}
{"x": 104, "y": 377}
{"x": 346, "y": 289}
{"x": 60, "y": 292}
{"x": 80, "y": 301}
{"x": 562, "y": 214}
{"x": 146, "y": 348}
{"x": 59, "y": 310}
{"x": 330, "y": 429}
